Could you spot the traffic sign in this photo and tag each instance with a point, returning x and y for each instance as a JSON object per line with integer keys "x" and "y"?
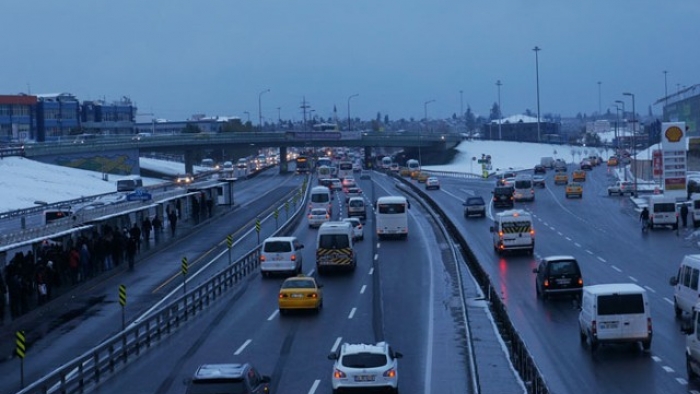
{"x": 139, "y": 194}
{"x": 122, "y": 295}
{"x": 21, "y": 344}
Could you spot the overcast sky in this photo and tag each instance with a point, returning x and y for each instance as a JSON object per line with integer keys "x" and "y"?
{"x": 175, "y": 58}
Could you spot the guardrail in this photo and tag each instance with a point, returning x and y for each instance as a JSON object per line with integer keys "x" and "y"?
{"x": 89, "y": 369}
{"x": 519, "y": 355}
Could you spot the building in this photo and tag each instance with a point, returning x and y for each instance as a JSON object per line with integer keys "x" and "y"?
{"x": 683, "y": 106}
{"x": 521, "y": 128}
{"x": 204, "y": 124}
{"x": 57, "y": 116}
{"x": 116, "y": 118}
{"x": 17, "y": 118}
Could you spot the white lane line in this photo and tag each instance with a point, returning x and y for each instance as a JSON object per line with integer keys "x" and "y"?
{"x": 376, "y": 257}
{"x": 668, "y": 369}
{"x": 336, "y": 344}
{"x": 560, "y": 233}
{"x": 242, "y": 348}
{"x": 379, "y": 245}
{"x": 362, "y": 290}
{"x": 314, "y": 386}
{"x": 273, "y": 315}
{"x": 602, "y": 259}
{"x": 650, "y": 289}
{"x": 656, "y": 359}
{"x": 668, "y": 300}
{"x": 568, "y": 239}
{"x": 578, "y": 245}
{"x": 352, "y": 313}
{"x": 633, "y": 279}
{"x": 589, "y": 252}
{"x": 371, "y": 270}
{"x": 615, "y": 268}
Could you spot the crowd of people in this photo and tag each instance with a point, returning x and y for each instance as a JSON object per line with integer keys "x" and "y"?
{"x": 30, "y": 279}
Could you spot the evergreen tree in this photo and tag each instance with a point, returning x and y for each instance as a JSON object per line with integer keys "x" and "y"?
{"x": 495, "y": 112}
{"x": 191, "y": 129}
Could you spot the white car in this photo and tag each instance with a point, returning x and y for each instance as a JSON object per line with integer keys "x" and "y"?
{"x": 432, "y": 183}
{"x": 363, "y": 366}
{"x": 357, "y": 231}
{"x": 281, "y": 255}
{"x": 318, "y": 216}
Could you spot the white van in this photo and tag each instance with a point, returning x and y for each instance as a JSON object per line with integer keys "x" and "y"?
{"x": 335, "y": 247}
{"x": 281, "y": 255}
{"x": 513, "y": 230}
{"x": 356, "y": 208}
{"x": 615, "y": 313}
{"x": 694, "y": 209}
{"x": 662, "y": 211}
{"x": 524, "y": 188}
{"x": 391, "y": 216}
{"x": 685, "y": 284}
{"x": 320, "y": 198}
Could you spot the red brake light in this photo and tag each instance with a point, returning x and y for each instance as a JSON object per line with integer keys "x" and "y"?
{"x": 262, "y": 257}
{"x": 294, "y": 257}
{"x": 313, "y": 295}
{"x": 338, "y": 374}
{"x": 390, "y": 373}
{"x": 282, "y": 295}
{"x": 545, "y": 283}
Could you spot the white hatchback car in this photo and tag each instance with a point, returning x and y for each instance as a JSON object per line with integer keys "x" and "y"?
{"x": 318, "y": 216}
{"x": 362, "y": 366}
{"x": 357, "y": 231}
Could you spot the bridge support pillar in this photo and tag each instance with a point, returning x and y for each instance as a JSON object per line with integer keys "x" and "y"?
{"x": 283, "y": 160}
{"x": 368, "y": 157}
{"x": 189, "y": 162}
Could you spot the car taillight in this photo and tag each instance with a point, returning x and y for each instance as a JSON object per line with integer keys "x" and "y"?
{"x": 649, "y": 325}
{"x": 545, "y": 283}
{"x": 500, "y": 234}
{"x": 532, "y": 233}
{"x": 327, "y": 217}
{"x": 594, "y": 328}
{"x": 580, "y": 281}
{"x": 262, "y": 257}
{"x": 338, "y": 374}
{"x": 359, "y": 226}
{"x": 390, "y": 373}
{"x": 282, "y": 295}
{"x": 310, "y": 215}
{"x": 313, "y": 295}
{"x": 294, "y": 257}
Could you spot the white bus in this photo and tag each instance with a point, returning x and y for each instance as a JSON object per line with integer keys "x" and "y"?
{"x": 129, "y": 184}
{"x": 386, "y": 163}
{"x": 344, "y": 169}
{"x": 413, "y": 166}
{"x": 392, "y": 217}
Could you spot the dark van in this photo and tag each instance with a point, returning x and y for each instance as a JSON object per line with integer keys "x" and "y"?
{"x": 503, "y": 196}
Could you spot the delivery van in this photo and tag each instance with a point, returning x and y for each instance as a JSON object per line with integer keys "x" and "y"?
{"x": 335, "y": 248}
{"x": 662, "y": 211}
{"x": 513, "y": 230}
{"x": 685, "y": 285}
{"x": 615, "y": 313}
{"x": 320, "y": 198}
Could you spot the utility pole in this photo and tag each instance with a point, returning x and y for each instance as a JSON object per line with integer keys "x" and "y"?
{"x": 537, "y": 74}
{"x": 304, "y": 106}
{"x": 500, "y": 113}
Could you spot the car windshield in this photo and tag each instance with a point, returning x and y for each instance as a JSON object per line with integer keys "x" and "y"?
{"x": 563, "y": 268}
{"x": 298, "y": 284}
{"x": 333, "y": 241}
{"x": 364, "y": 360}
{"x": 475, "y": 201}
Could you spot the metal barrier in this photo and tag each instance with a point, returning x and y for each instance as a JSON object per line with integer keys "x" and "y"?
{"x": 86, "y": 371}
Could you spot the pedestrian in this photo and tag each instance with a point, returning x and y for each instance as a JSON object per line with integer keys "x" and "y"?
{"x": 195, "y": 209}
{"x": 172, "y": 218}
{"x": 684, "y": 214}
{"x": 157, "y": 225}
{"x": 210, "y": 206}
{"x": 135, "y": 233}
{"x": 146, "y": 228}
{"x": 131, "y": 246}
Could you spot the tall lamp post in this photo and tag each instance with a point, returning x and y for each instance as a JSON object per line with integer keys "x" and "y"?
{"x": 349, "y": 98}
{"x": 622, "y": 103}
{"x": 461, "y": 105}
{"x": 500, "y": 113}
{"x": 599, "y": 107}
{"x": 425, "y": 108}
{"x": 260, "y": 108}
{"x": 537, "y": 76}
{"x": 634, "y": 145}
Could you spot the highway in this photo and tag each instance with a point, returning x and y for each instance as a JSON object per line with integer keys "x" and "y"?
{"x": 603, "y": 233}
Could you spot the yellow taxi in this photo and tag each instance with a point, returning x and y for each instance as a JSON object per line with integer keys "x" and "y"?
{"x": 422, "y": 177}
{"x": 574, "y": 189}
{"x": 612, "y": 161}
{"x": 300, "y": 292}
{"x": 578, "y": 176}
{"x": 404, "y": 171}
{"x": 561, "y": 178}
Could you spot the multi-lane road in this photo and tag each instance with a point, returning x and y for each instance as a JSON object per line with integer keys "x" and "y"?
{"x": 398, "y": 294}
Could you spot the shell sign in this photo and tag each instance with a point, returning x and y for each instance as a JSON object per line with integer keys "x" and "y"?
{"x": 673, "y": 134}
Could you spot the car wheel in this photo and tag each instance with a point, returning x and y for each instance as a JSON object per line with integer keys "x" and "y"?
{"x": 646, "y": 345}
{"x": 282, "y": 311}
{"x": 582, "y": 336}
{"x": 537, "y": 291}
{"x": 593, "y": 344}
{"x": 678, "y": 311}
{"x": 265, "y": 274}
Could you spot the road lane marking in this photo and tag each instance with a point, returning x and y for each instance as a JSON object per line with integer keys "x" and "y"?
{"x": 667, "y": 300}
{"x": 362, "y": 290}
{"x": 560, "y": 233}
{"x": 668, "y": 369}
{"x": 273, "y": 315}
{"x": 376, "y": 257}
{"x": 371, "y": 270}
{"x": 243, "y": 346}
{"x": 615, "y": 268}
{"x": 589, "y": 252}
{"x": 650, "y": 289}
{"x": 568, "y": 239}
{"x": 336, "y": 344}
{"x": 314, "y": 386}
{"x": 633, "y": 279}
{"x": 578, "y": 245}
{"x": 656, "y": 358}
{"x": 602, "y": 259}
{"x": 352, "y": 313}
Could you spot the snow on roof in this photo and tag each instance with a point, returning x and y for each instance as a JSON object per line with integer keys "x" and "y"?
{"x": 518, "y": 118}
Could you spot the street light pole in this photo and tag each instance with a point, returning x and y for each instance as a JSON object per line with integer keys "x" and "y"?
{"x": 260, "y": 108}
{"x": 634, "y": 145}
{"x": 247, "y": 114}
{"x": 537, "y": 76}
{"x": 599, "y": 107}
{"x": 425, "y": 108}
{"x": 500, "y": 113}
{"x": 279, "y": 115}
{"x": 461, "y": 105}
{"x": 349, "y": 98}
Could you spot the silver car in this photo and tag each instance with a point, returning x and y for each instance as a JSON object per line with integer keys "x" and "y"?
{"x": 358, "y": 233}
{"x": 318, "y": 216}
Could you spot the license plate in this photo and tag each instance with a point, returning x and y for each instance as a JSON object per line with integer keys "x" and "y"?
{"x": 297, "y": 295}
{"x": 611, "y": 325}
{"x": 364, "y": 378}
{"x": 563, "y": 281}
{"x": 277, "y": 258}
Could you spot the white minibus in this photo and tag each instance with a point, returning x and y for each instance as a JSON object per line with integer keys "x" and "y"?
{"x": 392, "y": 216}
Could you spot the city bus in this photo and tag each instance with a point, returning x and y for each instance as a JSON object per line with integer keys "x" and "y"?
{"x": 129, "y": 184}
{"x": 52, "y": 215}
{"x": 391, "y": 217}
{"x": 344, "y": 169}
{"x": 302, "y": 165}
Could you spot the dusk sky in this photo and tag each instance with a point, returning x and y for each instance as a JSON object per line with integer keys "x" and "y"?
{"x": 175, "y": 58}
